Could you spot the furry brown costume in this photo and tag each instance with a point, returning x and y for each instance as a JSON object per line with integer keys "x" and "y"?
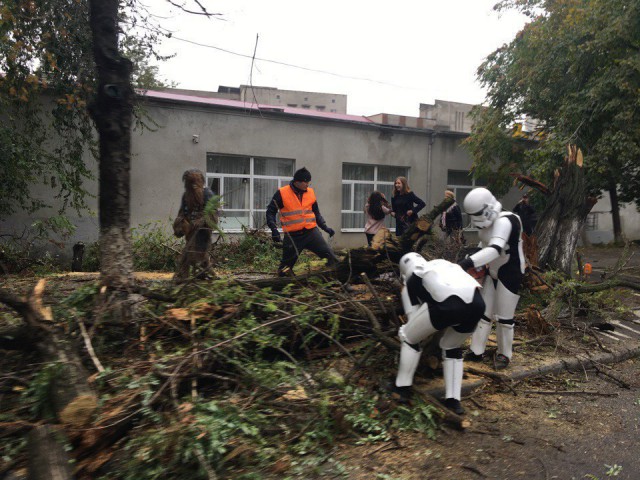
{"x": 191, "y": 224}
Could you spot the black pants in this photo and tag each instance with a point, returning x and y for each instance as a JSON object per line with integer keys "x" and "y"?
{"x": 369, "y": 237}
{"x": 309, "y": 239}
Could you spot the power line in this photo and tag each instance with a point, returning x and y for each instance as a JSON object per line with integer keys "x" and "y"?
{"x": 276, "y": 62}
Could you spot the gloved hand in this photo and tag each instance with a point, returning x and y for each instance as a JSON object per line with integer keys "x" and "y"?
{"x": 275, "y": 236}
{"x": 330, "y": 231}
{"x": 466, "y": 263}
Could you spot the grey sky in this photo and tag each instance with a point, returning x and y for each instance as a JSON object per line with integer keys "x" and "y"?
{"x": 412, "y": 51}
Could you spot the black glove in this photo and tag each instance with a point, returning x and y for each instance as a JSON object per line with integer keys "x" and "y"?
{"x": 330, "y": 231}
{"x": 275, "y": 236}
{"x": 466, "y": 263}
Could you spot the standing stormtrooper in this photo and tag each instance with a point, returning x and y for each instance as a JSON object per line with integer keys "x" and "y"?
{"x": 501, "y": 242}
{"x": 437, "y": 295}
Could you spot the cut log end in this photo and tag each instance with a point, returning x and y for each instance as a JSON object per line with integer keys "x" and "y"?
{"x": 79, "y": 411}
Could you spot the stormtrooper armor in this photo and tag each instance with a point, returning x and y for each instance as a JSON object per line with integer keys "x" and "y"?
{"x": 437, "y": 295}
{"x": 500, "y": 237}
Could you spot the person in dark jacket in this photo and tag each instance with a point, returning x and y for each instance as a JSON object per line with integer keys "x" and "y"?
{"x": 405, "y": 205}
{"x": 451, "y": 219}
{"x": 300, "y": 218}
{"x": 527, "y": 215}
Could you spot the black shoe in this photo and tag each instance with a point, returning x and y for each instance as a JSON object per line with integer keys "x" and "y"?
{"x": 286, "y": 272}
{"x": 454, "y": 405}
{"x": 500, "y": 362}
{"x": 473, "y": 357}
{"x": 401, "y": 395}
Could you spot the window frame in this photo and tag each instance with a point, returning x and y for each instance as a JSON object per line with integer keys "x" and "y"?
{"x": 282, "y": 180}
{"x": 375, "y": 182}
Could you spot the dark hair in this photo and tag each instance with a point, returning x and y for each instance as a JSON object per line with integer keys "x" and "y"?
{"x": 376, "y": 201}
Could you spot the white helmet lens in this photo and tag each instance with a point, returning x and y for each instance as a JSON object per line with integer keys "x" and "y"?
{"x": 482, "y": 207}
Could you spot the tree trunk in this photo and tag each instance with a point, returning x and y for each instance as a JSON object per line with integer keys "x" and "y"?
{"x": 112, "y": 112}
{"x": 561, "y": 222}
{"x": 47, "y": 459}
{"x": 615, "y": 213}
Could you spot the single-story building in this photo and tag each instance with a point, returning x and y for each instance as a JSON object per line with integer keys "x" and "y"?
{"x": 249, "y": 150}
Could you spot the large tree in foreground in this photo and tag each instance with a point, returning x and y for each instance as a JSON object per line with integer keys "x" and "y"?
{"x": 575, "y": 69}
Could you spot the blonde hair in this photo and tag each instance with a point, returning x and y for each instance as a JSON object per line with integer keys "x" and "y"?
{"x": 449, "y": 193}
{"x": 405, "y": 186}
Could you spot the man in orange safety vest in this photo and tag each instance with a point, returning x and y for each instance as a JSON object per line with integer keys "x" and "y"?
{"x": 300, "y": 218}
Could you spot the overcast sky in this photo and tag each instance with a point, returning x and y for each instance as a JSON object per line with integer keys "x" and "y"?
{"x": 387, "y": 56}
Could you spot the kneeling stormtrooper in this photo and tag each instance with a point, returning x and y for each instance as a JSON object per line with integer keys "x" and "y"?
{"x": 501, "y": 239}
{"x": 437, "y": 295}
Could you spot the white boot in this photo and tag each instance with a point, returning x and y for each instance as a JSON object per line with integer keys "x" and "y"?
{"x": 452, "y": 372}
{"x": 409, "y": 359}
{"x": 504, "y": 336}
{"x": 480, "y": 337}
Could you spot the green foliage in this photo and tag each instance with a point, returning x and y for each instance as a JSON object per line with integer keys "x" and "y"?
{"x": 91, "y": 259}
{"x": 574, "y": 70}
{"x": 10, "y": 448}
{"x": 365, "y": 417}
{"x": 47, "y": 82}
{"x": 19, "y": 253}
{"x": 253, "y": 249}
{"x": 38, "y": 395}
{"x": 284, "y": 414}
{"x": 154, "y": 248}
{"x": 212, "y": 214}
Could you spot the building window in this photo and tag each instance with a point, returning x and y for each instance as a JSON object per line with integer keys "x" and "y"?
{"x": 278, "y": 97}
{"x": 292, "y": 105}
{"x": 306, "y": 99}
{"x": 333, "y": 100}
{"x": 305, "y": 106}
{"x": 460, "y": 182}
{"x": 246, "y": 185}
{"x": 591, "y": 223}
{"x": 333, "y": 110}
{"x": 358, "y": 181}
{"x": 459, "y": 122}
{"x": 320, "y": 108}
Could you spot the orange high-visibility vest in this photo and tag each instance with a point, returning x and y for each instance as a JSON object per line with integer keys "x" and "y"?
{"x": 296, "y": 215}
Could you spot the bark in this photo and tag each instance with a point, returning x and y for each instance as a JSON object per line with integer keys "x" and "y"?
{"x": 561, "y": 222}
{"x": 73, "y": 401}
{"x": 47, "y": 458}
{"x": 615, "y": 213}
{"x": 112, "y": 111}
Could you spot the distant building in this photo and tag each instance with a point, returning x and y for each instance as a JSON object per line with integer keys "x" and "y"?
{"x": 320, "y": 102}
{"x": 453, "y": 116}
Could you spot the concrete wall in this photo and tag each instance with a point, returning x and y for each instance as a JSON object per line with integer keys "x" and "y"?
{"x": 326, "y": 102}
{"x": 603, "y": 233}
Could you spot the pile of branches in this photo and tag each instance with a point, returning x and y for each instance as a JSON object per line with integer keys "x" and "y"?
{"x": 221, "y": 378}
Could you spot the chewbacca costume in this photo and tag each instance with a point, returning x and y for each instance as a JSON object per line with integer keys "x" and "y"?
{"x": 191, "y": 224}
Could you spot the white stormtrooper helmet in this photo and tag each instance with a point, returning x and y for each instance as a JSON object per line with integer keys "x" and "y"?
{"x": 412, "y": 263}
{"x": 482, "y": 207}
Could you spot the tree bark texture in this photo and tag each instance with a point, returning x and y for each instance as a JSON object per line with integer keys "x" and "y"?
{"x": 561, "y": 222}
{"x": 615, "y": 212}
{"x": 112, "y": 111}
{"x": 47, "y": 458}
{"x": 72, "y": 399}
